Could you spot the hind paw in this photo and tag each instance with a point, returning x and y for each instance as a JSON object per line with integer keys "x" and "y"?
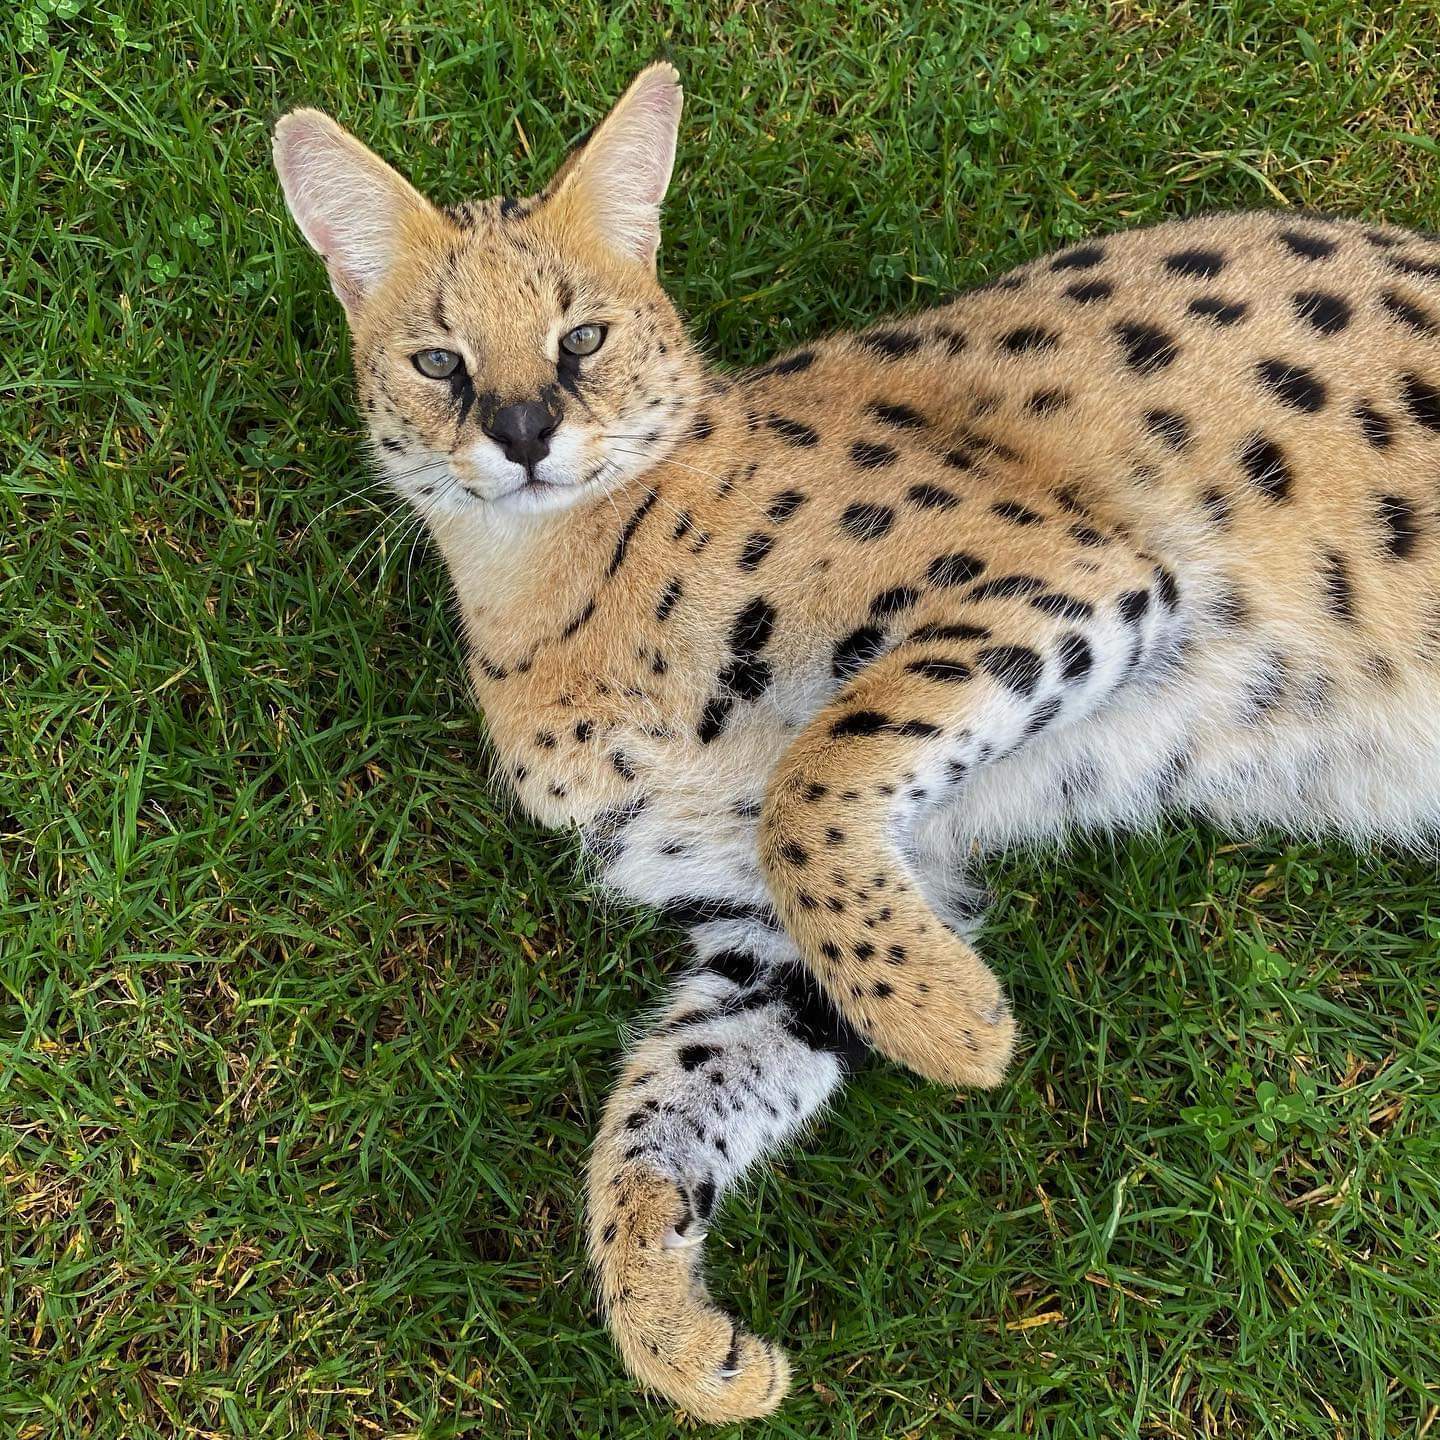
{"x": 647, "y": 1243}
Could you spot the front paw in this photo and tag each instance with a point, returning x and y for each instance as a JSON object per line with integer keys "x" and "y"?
{"x": 645, "y": 1243}
{"x": 945, "y": 1017}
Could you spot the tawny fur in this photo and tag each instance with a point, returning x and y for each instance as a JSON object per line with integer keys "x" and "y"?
{"x": 1149, "y": 525}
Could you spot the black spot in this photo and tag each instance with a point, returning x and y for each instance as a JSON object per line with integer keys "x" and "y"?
{"x": 927, "y": 633}
{"x": 1306, "y": 245}
{"x": 1339, "y": 588}
{"x": 396, "y": 447}
{"x": 1229, "y": 609}
{"x": 1167, "y": 588}
{"x": 702, "y": 1197}
{"x": 784, "y": 505}
{"x": 1006, "y": 586}
{"x": 1222, "y": 312}
{"x": 1378, "y": 429}
{"x": 900, "y": 416}
{"x": 1329, "y": 314}
{"x": 701, "y": 428}
{"x": 1265, "y": 467}
{"x": 871, "y": 455}
{"x": 793, "y": 432}
{"x": 1133, "y": 605}
{"x": 579, "y": 622}
{"x": 953, "y": 341}
{"x": 1041, "y": 716}
{"x": 1422, "y": 400}
{"x": 608, "y": 1234}
{"x": 938, "y": 668}
{"x": 863, "y": 521}
{"x": 932, "y": 497}
{"x": 791, "y": 365}
{"x": 860, "y": 722}
{"x": 959, "y": 459}
{"x": 628, "y": 533}
{"x": 1075, "y": 656}
{"x": 1084, "y": 258}
{"x": 1409, "y": 314}
{"x": 1168, "y": 427}
{"x": 1047, "y": 402}
{"x": 682, "y": 526}
{"x": 1084, "y": 535}
{"x": 1381, "y": 669}
{"x": 1014, "y": 666}
{"x": 1016, "y": 513}
{"x": 545, "y": 739}
{"x": 1200, "y": 264}
{"x": 1087, "y": 292}
{"x": 1216, "y": 504}
{"x": 746, "y": 677}
{"x": 691, "y": 1057}
{"x": 755, "y": 549}
{"x": 622, "y": 765}
{"x": 857, "y": 649}
{"x": 1421, "y": 269}
{"x": 584, "y": 729}
{"x": 752, "y": 627}
{"x": 1063, "y": 607}
{"x": 890, "y": 344}
{"x": 794, "y": 854}
{"x": 1146, "y": 348}
{"x": 892, "y": 601}
{"x": 1266, "y": 690}
{"x": 955, "y": 569}
{"x": 1292, "y": 385}
{"x": 1029, "y": 338}
{"x": 1398, "y": 517}
{"x": 669, "y": 598}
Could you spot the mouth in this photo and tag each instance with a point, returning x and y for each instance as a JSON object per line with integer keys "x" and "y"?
{"x": 532, "y": 489}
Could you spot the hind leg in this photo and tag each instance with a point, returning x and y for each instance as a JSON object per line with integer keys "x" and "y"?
{"x": 744, "y": 1054}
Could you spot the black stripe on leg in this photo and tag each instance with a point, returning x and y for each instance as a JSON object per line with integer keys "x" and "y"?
{"x": 735, "y": 966}
{"x": 808, "y": 1014}
{"x": 701, "y": 909}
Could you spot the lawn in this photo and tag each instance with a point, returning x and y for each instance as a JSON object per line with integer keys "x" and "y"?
{"x": 303, "y": 1032}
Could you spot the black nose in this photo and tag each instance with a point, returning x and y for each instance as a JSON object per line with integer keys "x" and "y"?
{"x": 523, "y": 431}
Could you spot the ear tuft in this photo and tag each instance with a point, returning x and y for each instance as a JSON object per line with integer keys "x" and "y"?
{"x": 621, "y": 176}
{"x": 351, "y": 206}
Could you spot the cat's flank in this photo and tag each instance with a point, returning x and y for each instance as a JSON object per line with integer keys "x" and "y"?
{"x": 1147, "y": 525}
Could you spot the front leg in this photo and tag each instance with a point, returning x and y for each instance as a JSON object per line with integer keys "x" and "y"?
{"x": 745, "y": 1053}
{"x": 1011, "y": 658}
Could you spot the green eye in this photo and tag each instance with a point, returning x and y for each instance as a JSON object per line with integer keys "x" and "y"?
{"x": 436, "y": 364}
{"x": 583, "y": 340}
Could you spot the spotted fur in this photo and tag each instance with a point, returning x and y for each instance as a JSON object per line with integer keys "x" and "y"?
{"x": 1147, "y": 526}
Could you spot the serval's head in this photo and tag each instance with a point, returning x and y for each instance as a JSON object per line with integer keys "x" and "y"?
{"x": 512, "y": 354}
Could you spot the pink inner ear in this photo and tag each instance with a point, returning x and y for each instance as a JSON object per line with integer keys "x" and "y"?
{"x": 659, "y": 108}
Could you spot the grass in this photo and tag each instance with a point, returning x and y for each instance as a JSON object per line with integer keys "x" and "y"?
{"x": 302, "y": 1035}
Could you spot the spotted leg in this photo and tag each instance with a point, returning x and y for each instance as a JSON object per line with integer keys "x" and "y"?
{"x": 746, "y": 1051}
{"x": 908, "y": 731}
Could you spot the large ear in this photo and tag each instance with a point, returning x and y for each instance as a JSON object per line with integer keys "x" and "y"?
{"x": 352, "y": 207}
{"x": 619, "y": 178}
